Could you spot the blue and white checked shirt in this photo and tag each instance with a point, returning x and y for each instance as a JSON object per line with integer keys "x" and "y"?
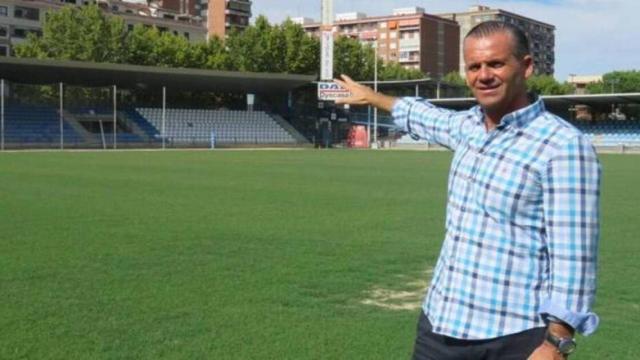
{"x": 522, "y": 221}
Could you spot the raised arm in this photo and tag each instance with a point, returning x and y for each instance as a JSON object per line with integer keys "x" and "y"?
{"x": 417, "y": 117}
{"x": 364, "y": 95}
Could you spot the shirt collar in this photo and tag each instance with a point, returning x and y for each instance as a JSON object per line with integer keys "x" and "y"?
{"x": 518, "y": 118}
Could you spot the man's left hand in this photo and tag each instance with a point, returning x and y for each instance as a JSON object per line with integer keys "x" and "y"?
{"x": 546, "y": 351}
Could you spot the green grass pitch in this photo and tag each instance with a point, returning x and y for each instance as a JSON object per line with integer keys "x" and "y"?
{"x": 251, "y": 254}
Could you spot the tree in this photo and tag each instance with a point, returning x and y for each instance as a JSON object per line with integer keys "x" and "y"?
{"x": 140, "y": 43}
{"x": 214, "y": 54}
{"x": 352, "y": 58}
{"x": 617, "y": 81}
{"x": 258, "y": 48}
{"x": 547, "y": 85}
{"x": 395, "y": 71}
{"x": 454, "y": 80}
{"x": 302, "y": 55}
{"x": 77, "y": 33}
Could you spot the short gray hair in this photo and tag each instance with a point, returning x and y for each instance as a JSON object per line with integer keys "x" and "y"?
{"x": 521, "y": 42}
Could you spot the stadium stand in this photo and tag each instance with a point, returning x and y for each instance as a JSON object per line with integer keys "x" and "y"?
{"x": 193, "y": 126}
{"x": 149, "y": 130}
{"x": 612, "y": 132}
{"x": 36, "y": 124}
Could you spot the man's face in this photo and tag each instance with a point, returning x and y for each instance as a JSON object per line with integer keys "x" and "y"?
{"x": 496, "y": 77}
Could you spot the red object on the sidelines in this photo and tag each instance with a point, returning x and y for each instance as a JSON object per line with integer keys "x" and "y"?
{"x": 357, "y": 137}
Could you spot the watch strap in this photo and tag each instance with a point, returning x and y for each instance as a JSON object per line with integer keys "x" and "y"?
{"x": 565, "y": 346}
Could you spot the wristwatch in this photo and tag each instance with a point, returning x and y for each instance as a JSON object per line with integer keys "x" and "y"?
{"x": 565, "y": 346}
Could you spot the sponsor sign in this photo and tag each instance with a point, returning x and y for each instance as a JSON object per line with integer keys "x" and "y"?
{"x": 330, "y": 91}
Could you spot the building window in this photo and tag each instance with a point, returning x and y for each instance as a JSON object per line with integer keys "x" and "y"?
{"x": 383, "y": 35}
{"x": 392, "y": 45}
{"x": 186, "y": 35}
{"x": 4, "y": 51}
{"x": 4, "y": 31}
{"x": 393, "y": 35}
{"x": 20, "y": 33}
{"x": 383, "y": 25}
{"x": 3, "y": 11}
{"x": 26, "y": 13}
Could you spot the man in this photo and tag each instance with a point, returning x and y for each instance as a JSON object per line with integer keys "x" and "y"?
{"x": 516, "y": 274}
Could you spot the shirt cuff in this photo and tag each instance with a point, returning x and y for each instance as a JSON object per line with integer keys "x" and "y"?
{"x": 584, "y": 323}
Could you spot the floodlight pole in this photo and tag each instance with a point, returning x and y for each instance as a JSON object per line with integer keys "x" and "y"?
{"x": 115, "y": 117}
{"x": 164, "y": 114}
{"x": 1, "y": 114}
{"x": 375, "y": 88}
{"x": 369, "y": 125}
{"x": 60, "y": 91}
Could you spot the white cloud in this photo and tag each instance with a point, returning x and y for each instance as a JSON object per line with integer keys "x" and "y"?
{"x": 592, "y": 36}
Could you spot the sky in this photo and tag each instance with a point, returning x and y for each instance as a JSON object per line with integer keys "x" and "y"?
{"x": 592, "y": 36}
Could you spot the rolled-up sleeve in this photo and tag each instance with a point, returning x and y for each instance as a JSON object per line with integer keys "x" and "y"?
{"x": 571, "y": 195}
{"x": 423, "y": 120}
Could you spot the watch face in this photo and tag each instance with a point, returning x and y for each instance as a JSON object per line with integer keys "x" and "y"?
{"x": 567, "y": 346}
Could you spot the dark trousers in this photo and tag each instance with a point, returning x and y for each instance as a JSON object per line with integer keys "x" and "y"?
{"x": 432, "y": 346}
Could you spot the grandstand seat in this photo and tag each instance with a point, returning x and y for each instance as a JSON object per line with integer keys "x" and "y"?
{"x": 194, "y": 126}
{"x": 36, "y": 124}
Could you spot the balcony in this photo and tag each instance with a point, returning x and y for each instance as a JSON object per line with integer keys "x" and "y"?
{"x": 237, "y": 13}
{"x": 410, "y": 44}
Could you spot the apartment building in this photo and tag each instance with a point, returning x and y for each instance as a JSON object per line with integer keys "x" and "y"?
{"x": 408, "y": 36}
{"x": 223, "y": 15}
{"x": 219, "y": 16}
{"x": 541, "y": 35}
{"x": 17, "y": 20}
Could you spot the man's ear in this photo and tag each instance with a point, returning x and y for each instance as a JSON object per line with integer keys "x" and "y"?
{"x": 466, "y": 79}
{"x": 527, "y": 62}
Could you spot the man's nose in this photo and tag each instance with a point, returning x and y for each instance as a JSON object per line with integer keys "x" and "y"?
{"x": 485, "y": 74}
